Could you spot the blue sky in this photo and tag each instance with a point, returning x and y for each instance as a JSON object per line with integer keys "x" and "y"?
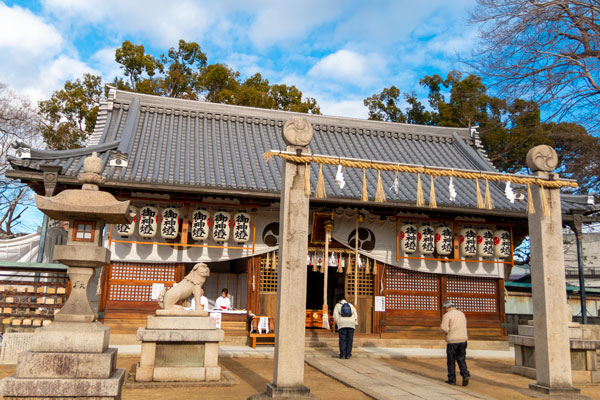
{"x": 336, "y": 51}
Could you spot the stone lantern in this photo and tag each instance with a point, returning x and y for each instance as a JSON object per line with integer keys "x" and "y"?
{"x": 70, "y": 357}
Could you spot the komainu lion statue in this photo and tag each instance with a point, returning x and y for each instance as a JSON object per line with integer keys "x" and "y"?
{"x": 188, "y": 287}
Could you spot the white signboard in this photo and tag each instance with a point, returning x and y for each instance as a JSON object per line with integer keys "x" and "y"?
{"x": 217, "y": 317}
{"x": 156, "y": 289}
{"x": 379, "y": 303}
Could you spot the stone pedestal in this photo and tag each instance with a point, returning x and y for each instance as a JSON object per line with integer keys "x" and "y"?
{"x": 181, "y": 348}
{"x": 65, "y": 363}
{"x": 583, "y": 345}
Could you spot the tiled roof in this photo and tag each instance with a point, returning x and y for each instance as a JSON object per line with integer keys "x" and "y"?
{"x": 215, "y": 146}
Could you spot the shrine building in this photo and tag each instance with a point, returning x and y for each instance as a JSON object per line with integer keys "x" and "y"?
{"x": 201, "y": 191}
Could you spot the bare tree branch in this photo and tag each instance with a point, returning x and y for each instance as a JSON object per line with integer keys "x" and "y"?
{"x": 548, "y": 51}
{"x": 17, "y": 123}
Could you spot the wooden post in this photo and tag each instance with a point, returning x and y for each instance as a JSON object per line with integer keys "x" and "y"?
{"x": 356, "y": 264}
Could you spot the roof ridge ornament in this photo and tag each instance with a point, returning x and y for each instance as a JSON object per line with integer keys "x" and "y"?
{"x": 90, "y": 177}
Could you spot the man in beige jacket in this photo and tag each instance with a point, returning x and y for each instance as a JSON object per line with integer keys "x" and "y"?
{"x": 454, "y": 325}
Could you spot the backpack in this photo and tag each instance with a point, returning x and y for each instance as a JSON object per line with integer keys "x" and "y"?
{"x": 346, "y": 310}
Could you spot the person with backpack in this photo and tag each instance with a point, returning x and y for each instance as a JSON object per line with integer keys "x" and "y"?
{"x": 346, "y": 319}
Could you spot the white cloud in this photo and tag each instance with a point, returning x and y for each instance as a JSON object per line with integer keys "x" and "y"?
{"x": 349, "y": 67}
{"x": 343, "y": 108}
{"x": 160, "y": 22}
{"x": 26, "y": 33}
{"x": 104, "y": 61}
{"x": 53, "y": 75}
{"x": 281, "y": 21}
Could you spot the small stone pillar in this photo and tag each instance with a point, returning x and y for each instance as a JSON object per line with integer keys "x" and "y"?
{"x": 288, "y": 373}
{"x": 552, "y": 355}
{"x": 70, "y": 358}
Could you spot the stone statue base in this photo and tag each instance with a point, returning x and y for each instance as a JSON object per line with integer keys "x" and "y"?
{"x": 179, "y": 348}
{"x": 68, "y": 360}
{"x": 274, "y": 392}
{"x": 583, "y": 339}
{"x": 182, "y": 313}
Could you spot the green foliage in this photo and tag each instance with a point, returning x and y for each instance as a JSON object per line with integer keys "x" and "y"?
{"x": 384, "y": 107}
{"x": 508, "y": 129}
{"x": 182, "y": 74}
{"x": 219, "y": 83}
{"x": 134, "y": 63}
{"x": 69, "y": 116}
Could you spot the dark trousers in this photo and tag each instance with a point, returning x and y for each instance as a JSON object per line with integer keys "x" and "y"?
{"x": 456, "y": 353}
{"x": 346, "y": 338}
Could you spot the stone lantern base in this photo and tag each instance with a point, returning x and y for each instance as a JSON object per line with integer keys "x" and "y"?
{"x": 68, "y": 361}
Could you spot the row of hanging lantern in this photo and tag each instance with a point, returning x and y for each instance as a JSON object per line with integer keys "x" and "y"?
{"x": 481, "y": 242}
{"x": 201, "y": 226}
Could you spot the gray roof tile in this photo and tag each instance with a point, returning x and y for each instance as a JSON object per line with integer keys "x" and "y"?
{"x": 208, "y": 145}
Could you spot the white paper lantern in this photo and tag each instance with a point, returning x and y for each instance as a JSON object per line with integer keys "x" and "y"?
{"x": 148, "y": 222}
{"x": 502, "y": 244}
{"x": 170, "y": 223}
{"x": 408, "y": 238}
{"x": 241, "y": 227}
{"x": 221, "y": 226}
{"x": 200, "y": 224}
{"x": 468, "y": 242}
{"x": 485, "y": 243}
{"x": 126, "y": 230}
{"x": 426, "y": 239}
{"x": 443, "y": 240}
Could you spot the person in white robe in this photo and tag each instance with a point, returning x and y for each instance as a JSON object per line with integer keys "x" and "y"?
{"x": 223, "y": 302}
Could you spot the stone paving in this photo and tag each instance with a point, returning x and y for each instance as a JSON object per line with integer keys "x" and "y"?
{"x": 385, "y": 382}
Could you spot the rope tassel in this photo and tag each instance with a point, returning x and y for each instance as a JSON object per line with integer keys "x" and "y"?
{"x": 274, "y": 261}
{"x": 432, "y": 201}
{"x": 480, "y": 203}
{"x": 380, "y": 194}
{"x": 488, "y": 197}
{"x": 530, "y": 207}
{"x": 320, "y": 190}
{"x": 307, "y": 179}
{"x": 365, "y": 196}
{"x": 420, "y": 197}
{"x": 544, "y": 200}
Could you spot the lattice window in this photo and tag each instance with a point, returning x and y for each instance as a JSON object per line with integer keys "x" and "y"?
{"x": 142, "y": 276}
{"x": 462, "y": 284}
{"x": 141, "y": 272}
{"x": 411, "y": 302}
{"x": 475, "y": 304}
{"x": 401, "y": 279}
{"x": 365, "y": 283}
{"x": 403, "y": 287}
{"x": 268, "y": 273}
{"x": 131, "y": 293}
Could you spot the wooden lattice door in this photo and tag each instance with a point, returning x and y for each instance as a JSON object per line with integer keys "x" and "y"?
{"x": 128, "y": 288}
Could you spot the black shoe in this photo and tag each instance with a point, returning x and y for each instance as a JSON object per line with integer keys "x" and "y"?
{"x": 465, "y": 380}
{"x": 451, "y": 382}
{"x": 347, "y": 357}
{"x": 341, "y": 356}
